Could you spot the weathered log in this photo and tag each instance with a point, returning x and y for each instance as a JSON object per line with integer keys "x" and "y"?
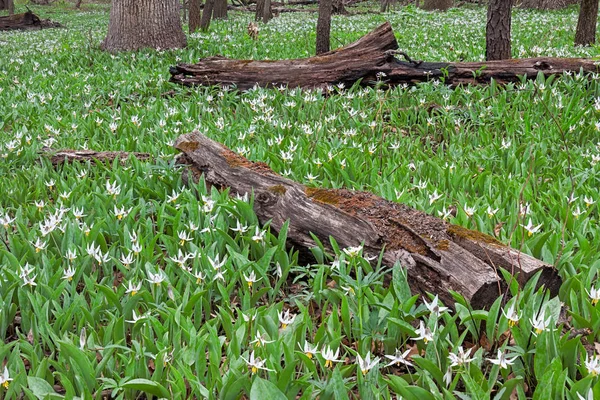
{"x": 58, "y": 157}
{"x": 366, "y": 60}
{"x": 440, "y": 257}
{"x": 25, "y": 21}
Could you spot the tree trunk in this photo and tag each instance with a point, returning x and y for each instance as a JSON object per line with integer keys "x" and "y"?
{"x": 497, "y": 35}
{"x": 545, "y": 4}
{"x": 440, "y": 5}
{"x": 370, "y": 60}
{"x": 338, "y": 7}
{"x": 220, "y": 9}
{"x": 440, "y": 257}
{"x": 267, "y": 12}
{"x": 207, "y": 14}
{"x": 324, "y": 26}
{"x": 585, "y": 34}
{"x": 260, "y": 5}
{"x": 184, "y": 11}
{"x": 194, "y": 15}
{"x": 11, "y": 7}
{"x": 78, "y": 4}
{"x": 137, "y": 24}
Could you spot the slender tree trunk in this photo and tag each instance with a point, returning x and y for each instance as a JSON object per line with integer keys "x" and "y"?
{"x": 586, "y": 24}
{"x": 385, "y": 5}
{"x": 207, "y": 14}
{"x": 3, "y": 5}
{"x": 440, "y": 5}
{"x": 137, "y": 24}
{"x": 267, "y": 12}
{"x": 194, "y": 15}
{"x": 497, "y": 35}
{"x": 338, "y": 7}
{"x": 220, "y": 9}
{"x": 78, "y": 4}
{"x": 260, "y": 5}
{"x": 11, "y": 7}
{"x": 324, "y": 26}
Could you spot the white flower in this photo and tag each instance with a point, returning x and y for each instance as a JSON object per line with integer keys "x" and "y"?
{"x": 78, "y": 213}
{"x": 433, "y": 197}
{"x": 255, "y": 364}
{"x": 69, "y": 273}
{"x": 259, "y": 235}
{"x": 309, "y": 349}
{"x": 133, "y": 289}
{"x": 156, "y": 279}
{"x": 240, "y": 228}
{"x": 592, "y": 364}
{"x": 71, "y": 255}
{"x": 538, "y": 324}
{"x": 174, "y": 196}
{"x": 399, "y": 358}
{"x": 39, "y": 245}
{"x": 590, "y": 395}
{"x": 329, "y": 356}
{"x": 434, "y": 307}
{"x": 448, "y": 376}
{"x": 353, "y": 251}
{"x": 120, "y": 213}
{"x": 260, "y": 340}
{"x": 113, "y": 189}
{"x": 512, "y": 316}
{"x": 491, "y": 211}
{"x": 216, "y": 264}
{"x": 136, "y": 318}
{"x": 251, "y": 278}
{"x": 285, "y": 318}
{"x": 469, "y": 210}
{"x": 183, "y": 237}
{"x": 424, "y": 334}
{"x": 180, "y": 259}
{"x": 82, "y": 338}
{"x": 594, "y": 294}
{"x": 530, "y": 228}
{"x": 588, "y": 201}
{"x": 127, "y": 260}
{"x": 460, "y": 358}
{"x": 199, "y": 277}
{"x": 365, "y": 364}
{"x": 28, "y": 281}
{"x": 502, "y": 361}
{"x": 5, "y": 378}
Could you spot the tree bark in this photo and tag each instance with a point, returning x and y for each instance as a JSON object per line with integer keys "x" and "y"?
{"x": 440, "y": 257}
{"x": 207, "y": 14}
{"x": 338, "y": 7}
{"x": 194, "y": 15}
{"x": 545, "y": 4}
{"x": 26, "y": 21}
{"x": 267, "y": 12}
{"x": 366, "y": 60}
{"x": 497, "y": 35}
{"x": 78, "y": 4}
{"x": 137, "y": 24}
{"x": 324, "y": 26}
{"x": 11, "y": 7}
{"x": 59, "y": 157}
{"x": 260, "y": 5}
{"x": 220, "y": 9}
{"x": 440, "y": 5}
{"x": 585, "y": 35}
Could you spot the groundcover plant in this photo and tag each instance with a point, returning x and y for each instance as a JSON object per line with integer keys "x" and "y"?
{"x": 119, "y": 281}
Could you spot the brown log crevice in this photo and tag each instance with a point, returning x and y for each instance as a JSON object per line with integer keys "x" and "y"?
{"x": 66, "y": 156}
{"x": 368, "y": 60}
{"x": 26, "y": 21}
{"x": 440, "y": 257}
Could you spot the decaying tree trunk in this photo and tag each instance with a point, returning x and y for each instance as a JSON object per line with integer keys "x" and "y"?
{"x": 324, "y": 26}
{"x": 366, "y": 60}
{"x": 440, "y": 257}
{"x": 585, "y": 35}
{"x": 25, "y": 21}
{"x": 497, "y": 30}
{"x": 59, "y": 157}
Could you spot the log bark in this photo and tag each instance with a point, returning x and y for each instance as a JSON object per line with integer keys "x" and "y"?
{"x": 26, "y": 21}
{"x": 440, "y": 257}
{"x": 365, "y": 60}
{"x": 66, "y": 156}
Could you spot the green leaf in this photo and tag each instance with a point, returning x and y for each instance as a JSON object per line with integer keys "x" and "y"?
{"x": 147, "y": 386}
{"x": 263, "y": 389}
{"x": 42, "y": 389}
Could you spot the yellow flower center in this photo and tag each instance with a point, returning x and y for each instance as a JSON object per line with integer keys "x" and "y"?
{"x": 5, "y": 384}
{"x": 512, "y": 322}
{"x": 133, "y": 292}
{"x": 119, "y": 217}
{"x": 283, "y": 326}
{"x": 538, "y": 330}
{"x": 198, "y": 280}
{"x": 249, "y": 284}
{"x": 328, "y": 364}
{"x": 181, "y": 242}
{"x": 254, "y": 370}
{"x": 37, "y": 249}
{"x": 309, "y": 355}
{"x": 595, "y": 301}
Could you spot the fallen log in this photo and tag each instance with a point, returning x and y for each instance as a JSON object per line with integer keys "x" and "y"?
{"x": 59, "y": 157}
{"x": 25, "y": 21}
{"x": 369, "y": 60}
{"x": 440, "y": 257}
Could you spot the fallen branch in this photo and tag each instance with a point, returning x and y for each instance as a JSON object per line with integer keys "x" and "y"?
{"x": 26, "y": 21}
{"x": 58, "y": 157}
{"x": 369, "y": 60}
{"x": 440, "y": 257}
